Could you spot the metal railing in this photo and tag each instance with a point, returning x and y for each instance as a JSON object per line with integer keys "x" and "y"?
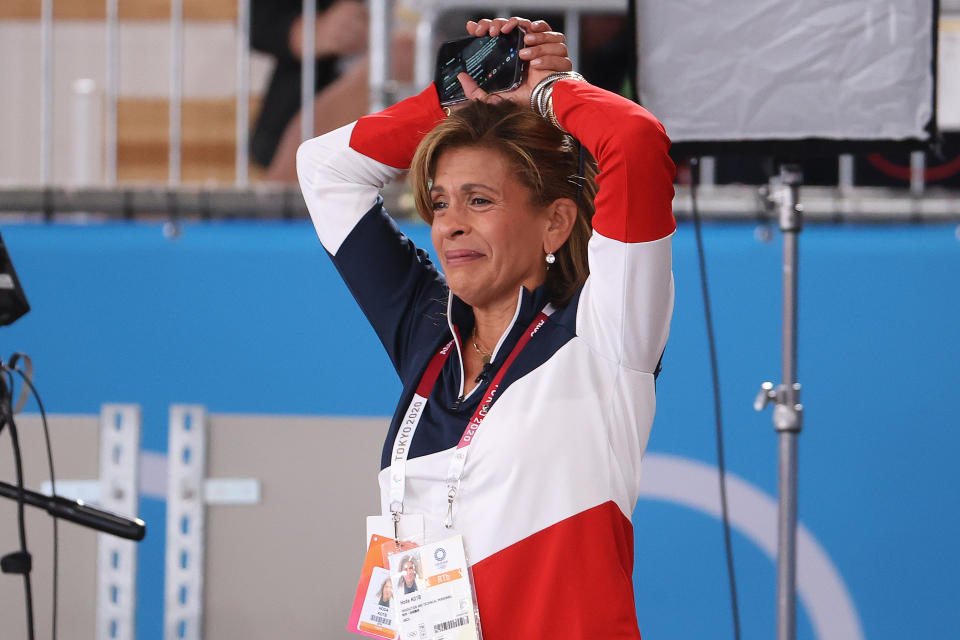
{"x": 114, "y": 200}
{"x": 112, "y": 63}
{"x": 743, "y": 203}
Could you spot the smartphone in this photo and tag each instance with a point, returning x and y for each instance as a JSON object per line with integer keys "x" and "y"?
{"x": 490, "y": 60}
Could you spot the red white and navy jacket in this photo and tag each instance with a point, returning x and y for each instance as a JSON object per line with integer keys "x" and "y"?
{"x": 552, "y": 476}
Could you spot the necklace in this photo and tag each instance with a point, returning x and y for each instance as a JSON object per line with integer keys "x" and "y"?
{"x": 484, "y": 357}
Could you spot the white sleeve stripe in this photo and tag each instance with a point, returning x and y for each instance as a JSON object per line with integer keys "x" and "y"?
{"x": 626, "y": 303}
{"x": 339, "y": 184}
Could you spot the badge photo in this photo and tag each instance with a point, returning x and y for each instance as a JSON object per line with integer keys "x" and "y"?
{"x": 377, "y": 614}
{"x": 433, "y": 594}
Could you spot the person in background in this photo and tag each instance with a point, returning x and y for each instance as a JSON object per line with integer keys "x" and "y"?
{"x": 276, "y": 28}
{"x": 341, "y": 68}
{"x": 340, "y": 77}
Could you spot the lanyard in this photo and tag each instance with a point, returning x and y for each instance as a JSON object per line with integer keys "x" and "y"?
{"x": 401, "y": 444}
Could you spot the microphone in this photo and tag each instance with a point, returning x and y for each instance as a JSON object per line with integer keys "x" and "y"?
{"x": 79, "y": 512}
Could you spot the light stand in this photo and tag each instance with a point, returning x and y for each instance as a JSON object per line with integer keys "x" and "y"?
{"x": 774, "y": 90}
{"x": 783, "y": 194}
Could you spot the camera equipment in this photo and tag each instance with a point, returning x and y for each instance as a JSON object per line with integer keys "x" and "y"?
{"x": 788, "y": 79}
{"x": 13, "y": 302}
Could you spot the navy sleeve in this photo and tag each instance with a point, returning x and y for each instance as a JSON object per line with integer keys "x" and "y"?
{"x": 398, "y": 288}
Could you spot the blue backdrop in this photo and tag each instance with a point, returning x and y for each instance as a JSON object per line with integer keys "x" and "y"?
{"x": 251, "y": 317}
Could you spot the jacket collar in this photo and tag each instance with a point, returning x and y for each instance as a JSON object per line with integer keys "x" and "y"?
{"x": 461, "y": 321}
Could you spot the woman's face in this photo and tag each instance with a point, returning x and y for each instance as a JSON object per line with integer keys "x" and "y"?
{"x": 409, "y": 573}
{"x": 488, "y": 235}
{"x": 387, "y": 591}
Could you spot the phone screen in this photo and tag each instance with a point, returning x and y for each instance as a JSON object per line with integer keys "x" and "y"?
{"x": 491, "y": 61}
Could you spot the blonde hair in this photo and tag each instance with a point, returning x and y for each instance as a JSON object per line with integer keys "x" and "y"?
{"x": 547, "y": 162}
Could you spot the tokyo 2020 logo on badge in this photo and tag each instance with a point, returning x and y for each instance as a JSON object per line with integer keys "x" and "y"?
{"x": 440, "y": 554}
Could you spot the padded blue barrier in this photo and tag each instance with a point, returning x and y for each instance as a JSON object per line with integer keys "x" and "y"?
{"x": 251, "y": 317}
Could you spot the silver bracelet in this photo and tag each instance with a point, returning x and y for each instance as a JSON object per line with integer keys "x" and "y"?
{"x": 541, "y": 98}
{"x": 537, "y": 100}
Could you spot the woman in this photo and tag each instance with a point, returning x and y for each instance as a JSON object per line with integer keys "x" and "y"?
{"x": 384, "y": 593}
{"x": 536, "y": 407}
{"x": 276, "y": 28}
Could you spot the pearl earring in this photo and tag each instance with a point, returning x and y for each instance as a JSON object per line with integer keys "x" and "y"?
{"x": 550, "y": 258}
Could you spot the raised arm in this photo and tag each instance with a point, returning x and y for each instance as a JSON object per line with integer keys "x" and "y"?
{"x": 626, "y": 304}
{"x": 341, "y": 173}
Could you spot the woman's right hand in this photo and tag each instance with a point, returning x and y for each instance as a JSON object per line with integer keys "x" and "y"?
{"x": 544, "y": 50}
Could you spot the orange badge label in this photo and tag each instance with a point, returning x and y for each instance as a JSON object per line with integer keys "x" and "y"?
{"x": 445, "y": 577}
{"x": 377, "y": 630}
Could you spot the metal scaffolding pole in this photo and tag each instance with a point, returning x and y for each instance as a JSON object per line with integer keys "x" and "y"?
{"x": 571, "y": 26}
{"x": 113, "y": 89}
{"x": 176, "y": 88}
{"x": 46, "y": 98}
{"x": 380, "y": 11}
{"x": 243, "y": 93}
{"x": 723, "y": 203}
{"x": 308, "y": 68}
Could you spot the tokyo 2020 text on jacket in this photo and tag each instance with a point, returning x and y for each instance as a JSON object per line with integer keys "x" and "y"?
{"x": 552, "y": 477}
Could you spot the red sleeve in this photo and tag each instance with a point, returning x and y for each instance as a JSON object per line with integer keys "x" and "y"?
{"x": 392, "y": 135}
{"x": 635, "y": 197}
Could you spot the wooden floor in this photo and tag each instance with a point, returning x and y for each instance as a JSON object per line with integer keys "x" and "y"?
{"x": 208, "y": 144}
{"x": 127, "y": 9}
{"x": 208, "y": 125}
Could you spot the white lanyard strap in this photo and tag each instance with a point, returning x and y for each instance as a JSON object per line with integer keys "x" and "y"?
{"x": 401, "y": 444}
{"x": 459, "y": 461}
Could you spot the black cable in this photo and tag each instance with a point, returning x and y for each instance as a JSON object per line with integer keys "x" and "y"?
{"x": 633, "y": 57}
{"x": 718, "y": 414}
{"x": 53, "y": 492}
{"x": 7, "y": 416}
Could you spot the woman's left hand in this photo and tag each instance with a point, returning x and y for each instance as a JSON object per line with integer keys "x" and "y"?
{"x": 544, "y": 50}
